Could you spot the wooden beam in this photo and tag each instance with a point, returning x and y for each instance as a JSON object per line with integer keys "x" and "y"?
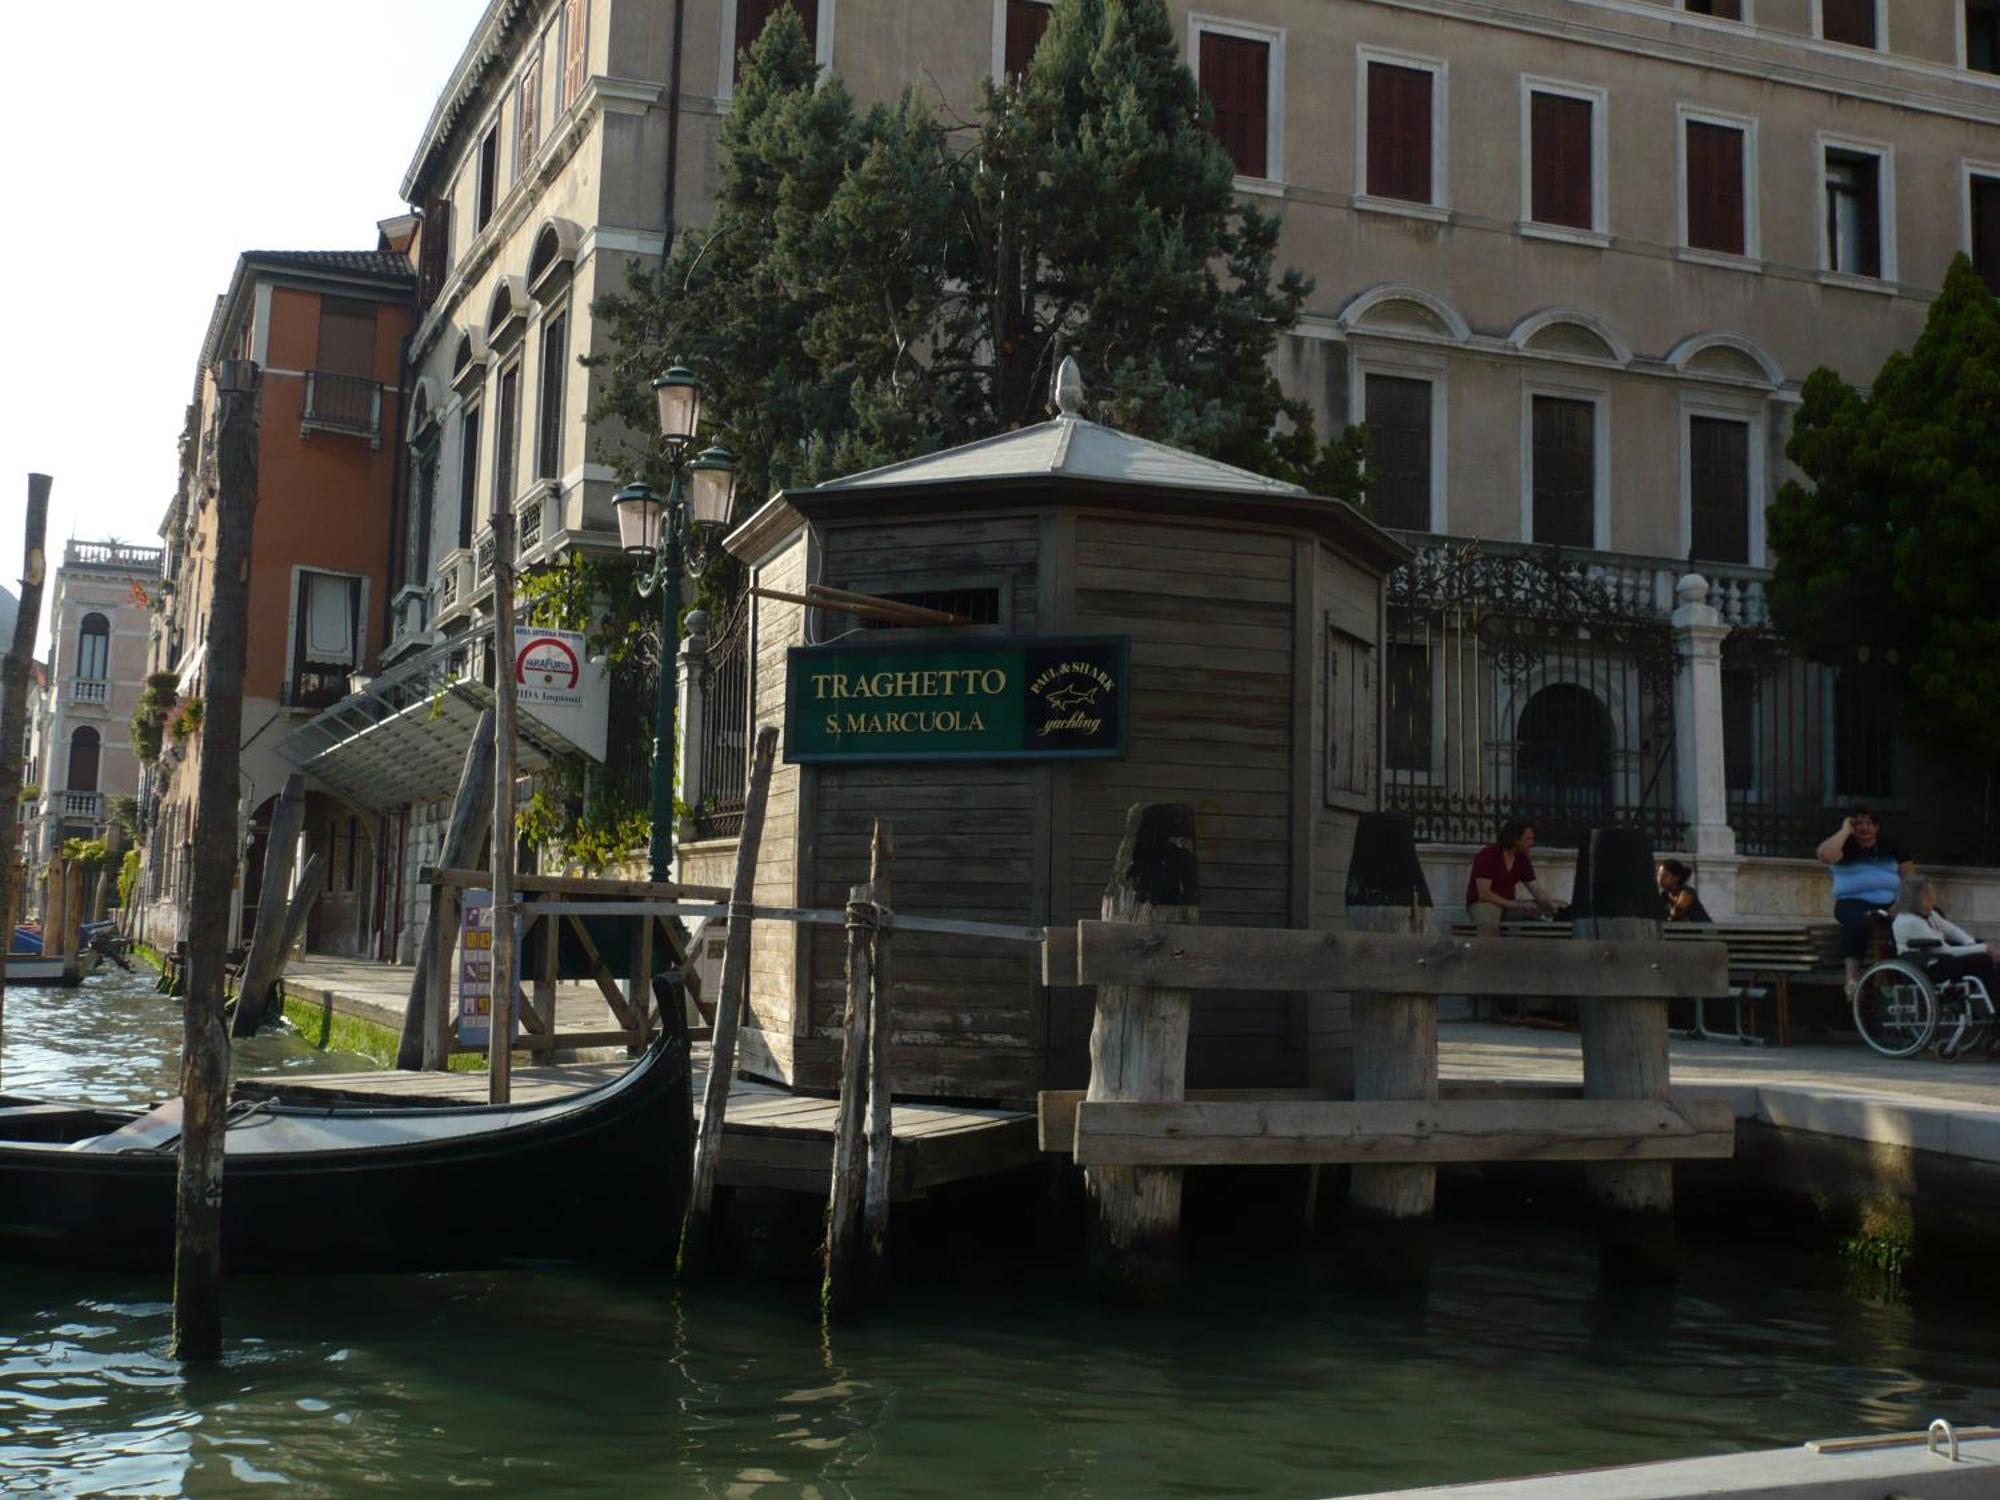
{"x": 1285, "y": 1133}
{"x": 1261, "y": 958}
{"x": 470, "y": 811}
{"x": 573, "y": 885}
{"x": 281, "y": 848}
{"x": 1055, "y": 1109}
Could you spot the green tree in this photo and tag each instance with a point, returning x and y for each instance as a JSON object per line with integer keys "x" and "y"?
{"x": 1889, "y": 551}
{"x": 877, "y": 286}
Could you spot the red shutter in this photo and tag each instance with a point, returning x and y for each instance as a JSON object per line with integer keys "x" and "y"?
{"x": 1026, "y": 21}
{"x": 1236, "y": 78}
{"x": 753, "y": 15}
{"x": 1559, "y": 135}
{"x": 1849, "y": 21}
{"x": 1715, "y": 187}
{"x": 1986, "y": 229}
{"x": 434, "y": 251}
{"x": 1399, "y": 133}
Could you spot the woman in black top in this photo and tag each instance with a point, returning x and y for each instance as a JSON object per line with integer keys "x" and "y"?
{"x": 1682, "y": 902}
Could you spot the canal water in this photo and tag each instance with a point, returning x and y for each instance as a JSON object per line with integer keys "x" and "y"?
{"x": 995, "y": 1376}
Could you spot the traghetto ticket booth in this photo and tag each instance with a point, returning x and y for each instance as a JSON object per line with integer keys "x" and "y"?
{"x": 1141, "y": 625}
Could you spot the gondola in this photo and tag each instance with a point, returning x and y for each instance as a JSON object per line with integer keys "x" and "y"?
{"x": 600, "y": 1175}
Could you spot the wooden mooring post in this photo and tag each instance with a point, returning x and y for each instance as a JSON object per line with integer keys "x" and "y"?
{"x": 729, "y": 1003}
{"x": 427, "y": 1013}
{"x": 1388, "y": 1226}
{"x": 14, "y": 713}
{"x": 850, "y": 1134}
{"x": 506, "y": 930}
{"x": 1138, "y": 1052}
{"x": 1625, "y": 1057}
{"x": 197, "y": 1322}
{"x": 281, "y": 847}
{"x": 881, "y": 1086}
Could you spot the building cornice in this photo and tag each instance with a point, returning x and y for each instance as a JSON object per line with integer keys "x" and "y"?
{"x": 487, "y": 47}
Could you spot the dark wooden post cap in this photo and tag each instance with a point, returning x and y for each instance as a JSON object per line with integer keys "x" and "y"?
{"x": 1158, "y": 863}
{"x": 1622, "y": 881}
{"x": 1384, "y": 870}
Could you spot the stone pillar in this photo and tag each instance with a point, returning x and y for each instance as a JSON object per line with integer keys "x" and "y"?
{"x": 1698, "y": 743}
{"x": 693, "y": 716}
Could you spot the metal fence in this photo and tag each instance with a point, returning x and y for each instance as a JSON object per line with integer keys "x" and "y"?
{"x": 717, "y": 797}
{"x": 1520, "y": 685}
{"x": 343, "y": 403}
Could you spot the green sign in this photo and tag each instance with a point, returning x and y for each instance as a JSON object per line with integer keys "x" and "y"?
{"x": 1056, "y": 699}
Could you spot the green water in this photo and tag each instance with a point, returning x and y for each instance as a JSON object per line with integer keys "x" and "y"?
{"x": 991, "y": 1373}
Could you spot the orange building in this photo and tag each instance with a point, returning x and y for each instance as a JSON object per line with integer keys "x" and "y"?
{"x": 327, "y": 329}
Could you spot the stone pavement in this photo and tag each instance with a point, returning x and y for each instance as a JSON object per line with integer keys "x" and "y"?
{"x": 1834, "y": 1088}
{"x": 380, "y": 992}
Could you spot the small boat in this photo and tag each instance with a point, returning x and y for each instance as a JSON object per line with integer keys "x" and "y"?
{"x": 27, "y": 964}
{"x": 596, "y": 1175}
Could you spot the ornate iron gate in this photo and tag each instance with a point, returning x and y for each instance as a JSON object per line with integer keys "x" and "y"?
{"x": 724, "y": 775}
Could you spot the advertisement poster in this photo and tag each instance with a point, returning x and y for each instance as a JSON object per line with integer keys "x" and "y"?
{"x": 475, "y": 973}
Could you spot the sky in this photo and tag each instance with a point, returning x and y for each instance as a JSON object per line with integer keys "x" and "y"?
{"x": 149, "y": 145}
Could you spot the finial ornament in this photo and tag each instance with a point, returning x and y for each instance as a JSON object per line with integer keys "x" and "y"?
{"x": 1068, "y": 388}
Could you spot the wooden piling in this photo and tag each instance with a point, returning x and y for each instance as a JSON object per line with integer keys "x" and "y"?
{"x": 14, "y": 713}
{"x": 312, "y": 879}
{"x": 197, "y": 1321}
{"x": 506, "y": 932}
{"x": 850, "y": 1134}
{"x": 1625, "y": 1057}
{"x": 1138, "y": 1052}
{"x": 471, "y": 811}
{"x": 280, "y": 850}
{"x": 1388, "y": 1227}
{"x": 728, "y": 1009}
{"x": 881, "y": 1088}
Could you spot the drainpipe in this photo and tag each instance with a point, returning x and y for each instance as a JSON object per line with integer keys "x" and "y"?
{"x": 673, "y": 129}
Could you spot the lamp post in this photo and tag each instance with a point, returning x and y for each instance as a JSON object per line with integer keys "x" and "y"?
{"x": 664, "y": 538}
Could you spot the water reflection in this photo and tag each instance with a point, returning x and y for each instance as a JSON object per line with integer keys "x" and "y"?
{"x": 996, "y": 1377}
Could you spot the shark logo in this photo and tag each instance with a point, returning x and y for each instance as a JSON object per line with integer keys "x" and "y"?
{"x": 1065, "y": 699}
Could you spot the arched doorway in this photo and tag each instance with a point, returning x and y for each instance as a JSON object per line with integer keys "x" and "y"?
{"x": 1562, "y": 768}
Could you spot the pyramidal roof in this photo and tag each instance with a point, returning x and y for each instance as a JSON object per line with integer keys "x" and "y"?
{"x": 1071, "y": 448}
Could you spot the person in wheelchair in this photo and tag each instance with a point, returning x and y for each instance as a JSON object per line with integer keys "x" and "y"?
{"x": 1946, "y": 950}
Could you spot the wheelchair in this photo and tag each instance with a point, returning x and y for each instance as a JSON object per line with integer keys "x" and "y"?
{"x": 1904, "y": 1004}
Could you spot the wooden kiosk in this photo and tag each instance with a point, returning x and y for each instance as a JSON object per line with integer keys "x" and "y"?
{"x": 1142, "y": 625}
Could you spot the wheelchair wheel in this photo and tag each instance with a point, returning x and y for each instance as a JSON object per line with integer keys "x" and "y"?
{"x": 1895, "y": 1009}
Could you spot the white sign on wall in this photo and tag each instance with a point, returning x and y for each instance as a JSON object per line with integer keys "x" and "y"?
{"x": 561, "y": 686}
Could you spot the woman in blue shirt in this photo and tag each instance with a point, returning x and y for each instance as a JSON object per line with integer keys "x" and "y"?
{"x": 1866, "y": 871}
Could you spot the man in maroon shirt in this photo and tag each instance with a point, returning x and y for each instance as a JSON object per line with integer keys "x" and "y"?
{"x": 1501, "y": 869}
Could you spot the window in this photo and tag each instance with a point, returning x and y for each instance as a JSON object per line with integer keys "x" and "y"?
{"x": 575, "y": 34}
{"x": 1235, "y": 73}
{"x": 1564, "y": 471}
{"x": 1562, "y": 160}
{"x": 93, "y": 649}
{"x": 426, "y": 508}
{"x": 1854, "y": 212}
{"x": 1410, "y": 708}
{"x": 1350, "y": 716}
{"x": 489, "y": 178}
{"x": 506, "y": 437}
{"x": 85, "y": 747}
{"x": 1718, "y": 490}
{"x": 1983, "y": 211}
{"x": 339, "y": 852}
{"x": 1398, "y": 413}
{"x": 1025, "y": 21}
{"x": 1722, "y": 10}
{"x": 527, "y": 115}
{"x": 1849, "y": 22}
{"x": 468, "y": 472}
{"x": 1716, "y": 200}
{"x": 434, "y": 250}
{"x": 346, "y": 338}
{"x": 549, "y": 401}
{"x": 326, "y": 638}
{"x": 1401, "y": 132}
{"x": 753, "y": 15}
{"x": 1982, "y": 35}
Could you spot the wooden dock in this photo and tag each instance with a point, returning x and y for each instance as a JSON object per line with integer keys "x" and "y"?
{"x": 774, "y": 1138}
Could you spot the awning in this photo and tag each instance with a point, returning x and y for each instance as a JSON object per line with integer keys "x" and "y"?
{"x": 188, "y": 683}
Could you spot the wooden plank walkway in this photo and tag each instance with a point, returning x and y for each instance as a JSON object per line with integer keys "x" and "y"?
{"x": 775, "y": 1138}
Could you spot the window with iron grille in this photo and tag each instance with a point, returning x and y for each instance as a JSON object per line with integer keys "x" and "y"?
{"x": 1564, "y": 471}
{"x": 1399, "y": 132}
{"x": 1718, "y": 490}
{"x": 1236, "y": 81}
{"x": 1560, "y": 149}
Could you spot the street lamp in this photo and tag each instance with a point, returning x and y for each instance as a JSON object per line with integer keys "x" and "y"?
{"x": 666, "y": 537}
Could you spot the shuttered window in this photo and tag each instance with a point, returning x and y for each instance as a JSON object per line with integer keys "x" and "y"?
{"x": 1399, "y": 132}
{"x": 1982, "y": 35}
{"x": 1854, "y": 213}
{"x": 1722, "y": 10}
{"x": 752, "y": 15}
{"x": 468, "y": 472}
{"x": 346, "y": 338}
{"x": 1986, "y": 229}
{"x": 1715, "y": 203}
{"x": 527, "y": 114}
{"x": 1564, "y": 466}
{"x": 575, "y": 48}
{"x": 434, "y": 252}
{"x": 1236, "y": 80}
{"x": 1718, "y": 490}
{"x": 1399, "y": 451}
{"x": 1848, "y": 21}
{"x": 1560, "y": 166}
{"x": 1026, "y": 21}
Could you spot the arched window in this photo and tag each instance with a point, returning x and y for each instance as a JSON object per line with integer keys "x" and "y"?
{"x": 1563, "y": 763}
{"x": 84, "y": 749}
{"x": 93, "y": 648}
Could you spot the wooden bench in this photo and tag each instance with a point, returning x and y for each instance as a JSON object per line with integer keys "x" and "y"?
{"x": 1765, "y": 955}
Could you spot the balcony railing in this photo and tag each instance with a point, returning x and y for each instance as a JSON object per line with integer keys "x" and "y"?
{"x": 82, "y": 805}
{"x": 113, "y": 555}
{"x": 342, "y": 403}
{"x": 89, "y": 690}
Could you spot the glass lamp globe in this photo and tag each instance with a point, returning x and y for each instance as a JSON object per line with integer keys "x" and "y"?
{"x": 679, "y": 394}
{"x": 639, "y": 510}
{"x": 712, "y": 494}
